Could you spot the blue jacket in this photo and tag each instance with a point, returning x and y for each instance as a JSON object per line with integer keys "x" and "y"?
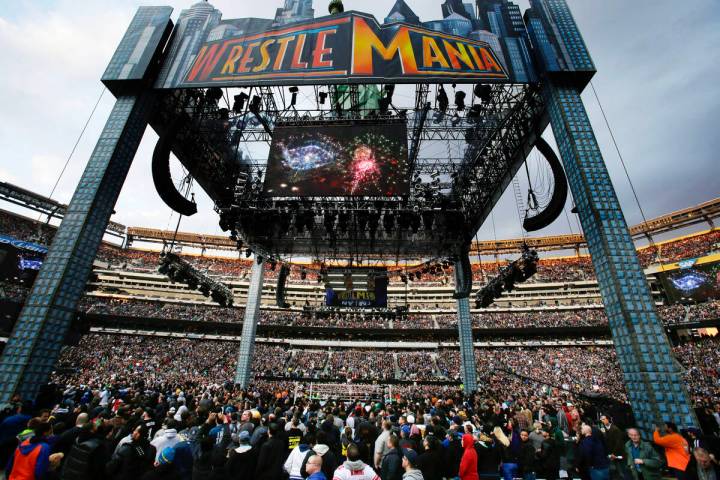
{"x": 317, "y": 476}
{"x": 591, "y": 453}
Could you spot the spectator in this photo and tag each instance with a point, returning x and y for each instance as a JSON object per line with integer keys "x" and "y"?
{"x": 165, "y": 468}
{"x": 391, "y": 468}
{"x": 242, "y": 461}
{"x": 168, "y": 438}
{"x": 31, "y": 459}
{"x": 676, "y": 449}
{"x": 615, "y": 444}
{"x": 468, "y": 464}
{"x": 642, "y": 460}
{"x": 527, "y": 456}
{"x": 272, "y": 456}
{"x": 410, "y": 465}
{"x": 314, "y": 468}
{"x": 132, "y": 459}
{"x": 591, "y": 457}
{"x": 549, "y": 458}
{"x": 706, "y": 466}
{"x": 354, "y": 468}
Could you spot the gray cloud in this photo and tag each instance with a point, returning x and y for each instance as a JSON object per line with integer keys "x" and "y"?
{"x": 657, "y": 79}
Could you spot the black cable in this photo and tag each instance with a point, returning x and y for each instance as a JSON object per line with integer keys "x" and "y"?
{"x": 77, "y": 142}
{"x": 622, "y": 161}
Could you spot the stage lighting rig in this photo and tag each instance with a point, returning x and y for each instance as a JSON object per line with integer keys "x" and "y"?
{"x": 518, "y": 271}
{"x": 179, "y": 270}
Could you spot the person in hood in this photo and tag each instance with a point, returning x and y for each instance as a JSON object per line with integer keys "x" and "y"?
{"x": 468, "y": 464}
{"x": 410, "y": 465}
{"x": 242, "y": 460}
{"x": 169, "y": 438}
{"x": 297, "y": 456}
{"x": 355, "y": 469}
{"x": 321, "y": 448}
{"x": 31, "y": 460}
{"x": 314, "y": 468}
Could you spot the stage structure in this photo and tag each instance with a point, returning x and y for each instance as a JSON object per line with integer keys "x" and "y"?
{"x": 351, "y": 143}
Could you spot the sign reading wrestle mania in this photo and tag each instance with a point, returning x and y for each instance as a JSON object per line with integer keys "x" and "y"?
{"x": 349, "y": 48}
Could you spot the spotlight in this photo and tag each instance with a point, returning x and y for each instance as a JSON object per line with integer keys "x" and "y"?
{"x": 322, "y": 97}
{"x": 239, "y": 103}
{"x": 442, "y": 99}
{"x": 248, "y": 253}
{"x": 294, "y": 91}
{"x": 483, "y": 92}
{"x": 214, "y": 94}
{"x": 386, "y": 101}
{"x": 255, "y": 104}
{"x": 460, "y": 100}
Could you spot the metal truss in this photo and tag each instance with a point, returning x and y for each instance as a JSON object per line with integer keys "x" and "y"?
{"x": 463, "y": 157}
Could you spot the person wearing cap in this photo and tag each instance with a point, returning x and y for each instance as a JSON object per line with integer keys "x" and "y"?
{"x": 242, "y": 460}
{"x": 677, "y": 450}
{"x": 468, "y": 464}
{"x": 410, "y": 465}
{"x": 168, "y": 438}
{"x": 164, "y": 468}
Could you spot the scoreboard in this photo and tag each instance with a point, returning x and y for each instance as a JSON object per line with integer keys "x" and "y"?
{"x": 356, "y": 287}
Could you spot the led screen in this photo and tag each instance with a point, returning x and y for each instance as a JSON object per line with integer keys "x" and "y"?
{"x": 696, "y": 283}
{"x": 368, "y": 160}
{"x": 356, "y": 288}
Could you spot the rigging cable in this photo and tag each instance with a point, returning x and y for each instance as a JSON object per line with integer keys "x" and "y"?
{"x": 77, "y": 142}
{"x": 622, "y": 162}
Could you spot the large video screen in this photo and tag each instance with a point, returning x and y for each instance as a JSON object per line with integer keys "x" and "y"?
{"x": 367, "y": 160}
{"x": 356, "y": 288}
{"x": 692, "y": 282}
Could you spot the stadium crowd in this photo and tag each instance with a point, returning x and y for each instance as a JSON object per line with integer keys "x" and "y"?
{"x": 543, "y": 317}
{"x": 562, "y": 270}
{"x": 101, "y": 358}
{"x": 144, "y": 408}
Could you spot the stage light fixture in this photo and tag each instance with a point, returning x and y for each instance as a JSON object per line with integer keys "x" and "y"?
{"x": 322, "y": 96}
{"x": 239, "y": 104}
{"x": 443, "y": 100}
{"x": 255, "y": 104}
{"x": 293, "y": 99}
{"x": 248, "y": 253}
{"x": 460, "y": 100}
{"x": 483, "y": 92}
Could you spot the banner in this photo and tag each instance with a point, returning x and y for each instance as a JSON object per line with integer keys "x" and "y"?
{"x": 341, "y": 49}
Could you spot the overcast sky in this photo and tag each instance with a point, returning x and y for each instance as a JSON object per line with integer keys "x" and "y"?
{"x": 657, "y": 78}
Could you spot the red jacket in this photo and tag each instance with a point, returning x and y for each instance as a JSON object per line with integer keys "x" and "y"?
{"x": 468, "y": 464}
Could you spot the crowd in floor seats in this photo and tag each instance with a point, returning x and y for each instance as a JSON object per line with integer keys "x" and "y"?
{"x": 100, "y": 358}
